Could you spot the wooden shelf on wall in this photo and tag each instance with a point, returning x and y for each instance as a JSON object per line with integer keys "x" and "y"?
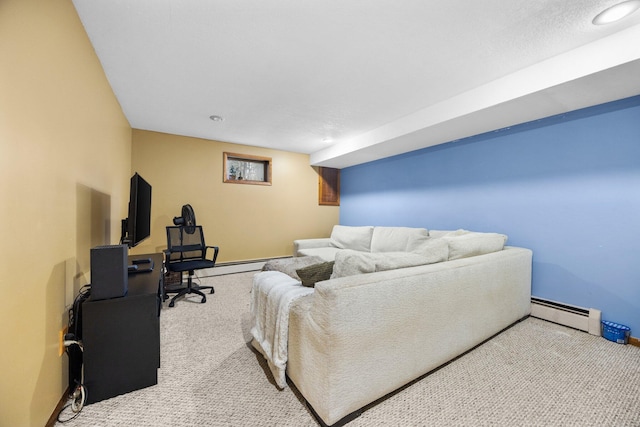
{"x": 328, "y": 186}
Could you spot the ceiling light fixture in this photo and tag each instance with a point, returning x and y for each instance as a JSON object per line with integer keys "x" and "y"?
{"x": 216, "y": 118}
{"x": 616, "y": 12}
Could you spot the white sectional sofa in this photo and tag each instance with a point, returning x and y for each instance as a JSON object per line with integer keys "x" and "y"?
{"x": 365, "y": 239}
{"x": 400, "y": 302}
{"x": 434, "y": 245}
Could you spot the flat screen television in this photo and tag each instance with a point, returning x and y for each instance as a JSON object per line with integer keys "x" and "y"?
{"x": 137, "y": 226}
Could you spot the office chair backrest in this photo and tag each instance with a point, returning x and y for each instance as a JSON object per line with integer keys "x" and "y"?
{"x": 185, "y": 243}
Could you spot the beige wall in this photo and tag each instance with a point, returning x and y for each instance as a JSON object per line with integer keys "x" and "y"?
{"x": 64, "y": 165}
{"x": 245, "y": 221}
{"x": 65, "y": 161}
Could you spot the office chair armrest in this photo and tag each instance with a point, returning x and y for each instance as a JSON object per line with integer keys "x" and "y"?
{"x": 215, "y": 252}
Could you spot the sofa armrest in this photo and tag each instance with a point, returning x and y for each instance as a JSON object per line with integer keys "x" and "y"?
{"x": 322, "y": 242}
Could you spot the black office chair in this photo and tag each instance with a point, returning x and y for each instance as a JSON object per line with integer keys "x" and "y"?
{"x": 186, "y": 251}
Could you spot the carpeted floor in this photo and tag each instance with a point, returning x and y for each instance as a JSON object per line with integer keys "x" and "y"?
{"x": 535, "y": 373}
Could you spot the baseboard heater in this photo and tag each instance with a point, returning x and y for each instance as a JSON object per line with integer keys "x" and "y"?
{"x": 584, "y": 319}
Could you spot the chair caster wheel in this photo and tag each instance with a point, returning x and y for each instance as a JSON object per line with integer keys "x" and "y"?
{"x": 204, "y": 299}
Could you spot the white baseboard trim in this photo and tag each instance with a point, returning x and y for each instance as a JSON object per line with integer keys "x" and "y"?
{"x": 235, "y": 267}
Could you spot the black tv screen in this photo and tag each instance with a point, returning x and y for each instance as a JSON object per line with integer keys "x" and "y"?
{"x": 139, "y": 221}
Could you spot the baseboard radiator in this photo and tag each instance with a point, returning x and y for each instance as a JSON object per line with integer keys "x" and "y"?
{"x": 584, "y": 319}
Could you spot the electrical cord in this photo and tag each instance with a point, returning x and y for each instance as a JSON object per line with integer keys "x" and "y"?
{"x": 82, "y": 294}
{"x": 79, "y": 396}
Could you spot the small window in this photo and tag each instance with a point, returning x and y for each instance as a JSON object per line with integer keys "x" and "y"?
{"x": 246, "y": 169}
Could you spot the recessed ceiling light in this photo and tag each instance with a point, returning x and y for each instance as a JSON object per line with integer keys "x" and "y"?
{"x": 327, "y": 140}
{"x": 216, "y": 118}
{"x": 616, "y": 12}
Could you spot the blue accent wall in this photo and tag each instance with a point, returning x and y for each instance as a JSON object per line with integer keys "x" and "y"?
{"x": 567, "y": 186}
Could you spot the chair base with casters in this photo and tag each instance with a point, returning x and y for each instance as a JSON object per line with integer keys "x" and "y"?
{"x": 187, "y": 252}
{"x": 189, "y": 289}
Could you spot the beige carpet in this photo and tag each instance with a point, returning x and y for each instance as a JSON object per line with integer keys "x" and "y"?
{"x": 534, "y": 374}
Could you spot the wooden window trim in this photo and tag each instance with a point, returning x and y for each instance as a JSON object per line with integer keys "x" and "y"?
{"x": 227, "y": 177}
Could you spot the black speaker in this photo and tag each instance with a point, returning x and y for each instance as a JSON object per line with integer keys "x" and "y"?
{"x": 109, "y": 272}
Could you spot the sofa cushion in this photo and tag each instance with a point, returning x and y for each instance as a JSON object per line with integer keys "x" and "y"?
{"x": 349, "y": 262}
{"x": 289, "y": 266}
{"x": 356, "y": 238}
{"x": 438, "y": 233}
{"x": 397, "y": 239}
{"x": 463, "y": 244}
{"x": 315, "y": 273}
{"x": 325, "y": 254}
{"x": 433, "y": 250}
{"x": 395, "y": 260}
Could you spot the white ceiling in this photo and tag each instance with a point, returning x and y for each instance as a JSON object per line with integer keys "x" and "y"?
{"x": 377, "y": 77}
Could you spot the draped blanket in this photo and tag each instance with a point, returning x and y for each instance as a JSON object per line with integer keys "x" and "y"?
{"x": 271, "y": 297}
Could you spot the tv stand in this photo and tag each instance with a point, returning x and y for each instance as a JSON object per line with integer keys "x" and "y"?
{"x": 121, "y": 336}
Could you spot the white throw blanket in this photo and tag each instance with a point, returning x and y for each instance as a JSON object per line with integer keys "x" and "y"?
{"x": 271, "y": 297}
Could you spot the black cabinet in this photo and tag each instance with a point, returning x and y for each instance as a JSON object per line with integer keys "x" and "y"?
{"x": 121, "y": 337}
